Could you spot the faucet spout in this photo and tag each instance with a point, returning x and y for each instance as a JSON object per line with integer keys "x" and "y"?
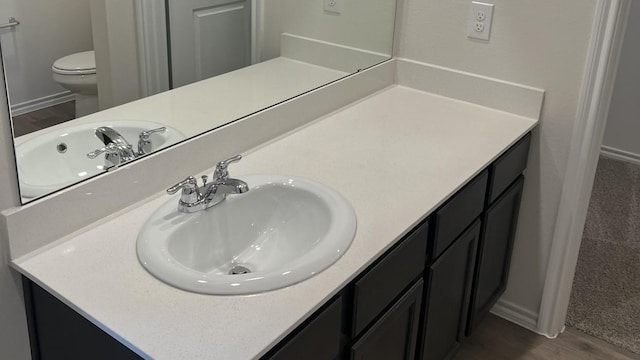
{"x": 195, "y": 198}
{"x": 218, "y": 191}
{"x": 116, "y": 147}
{"x": 232, "y": 186}
{"x": 110, "y": 136}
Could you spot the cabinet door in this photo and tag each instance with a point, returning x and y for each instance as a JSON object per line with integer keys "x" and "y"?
{"x": 208, "y": 38}
{"x": 375, "y": 291}
{"x": 58, "y": 332}
{"x": 318, "y": 340}
{"x": 448, "y": 291}
{"x": 394, "y": 335}
{"x": 494, "y": 252}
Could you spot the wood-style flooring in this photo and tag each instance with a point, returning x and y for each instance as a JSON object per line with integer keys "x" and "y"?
{"x": 43, "y": 118}
{"x": 498, "y": 339}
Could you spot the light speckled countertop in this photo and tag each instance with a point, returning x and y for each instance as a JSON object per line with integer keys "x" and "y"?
{"x": 192, "y": 110}
{"x": 395, "y": 156}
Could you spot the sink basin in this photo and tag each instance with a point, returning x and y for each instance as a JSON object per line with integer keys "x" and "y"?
{"x": 283, "y": 231}
{"x": 58, "y": 158}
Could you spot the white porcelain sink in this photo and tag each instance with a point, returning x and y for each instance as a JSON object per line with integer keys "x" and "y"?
{"x": 284, "y": 230}
{"x": 58, "y": 158}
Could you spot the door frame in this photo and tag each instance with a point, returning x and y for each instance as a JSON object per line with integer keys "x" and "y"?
{"x": 153, "y": 48}
{"x": 153, "y": 55}
{"x": 601, "y": 66}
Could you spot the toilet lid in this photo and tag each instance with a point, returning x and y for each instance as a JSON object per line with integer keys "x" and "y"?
{"x": 82, "y": 63}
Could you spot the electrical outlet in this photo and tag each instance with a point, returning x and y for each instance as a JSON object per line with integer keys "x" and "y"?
{"x": 480, "y": 17}
{"x": 333, "y": 6}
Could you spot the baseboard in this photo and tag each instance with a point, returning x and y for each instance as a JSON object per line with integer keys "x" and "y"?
{"x": 517, "y": 315}
{"x": 329, "y": 55}
{"x": 618, "y": 154}
{"x": 41, "y": 103}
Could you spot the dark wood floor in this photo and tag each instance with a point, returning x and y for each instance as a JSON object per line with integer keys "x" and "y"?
{"x": 43, "y": 118}
{"x": 498, "y": 339}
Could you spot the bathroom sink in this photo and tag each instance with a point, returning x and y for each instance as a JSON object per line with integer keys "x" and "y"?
{"x": 58, "y": 158}
{"x": 282, "y": 231}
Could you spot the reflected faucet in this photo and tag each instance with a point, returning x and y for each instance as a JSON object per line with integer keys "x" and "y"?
{"x": 117, "y": 149}
{"x": 196, "y": 198}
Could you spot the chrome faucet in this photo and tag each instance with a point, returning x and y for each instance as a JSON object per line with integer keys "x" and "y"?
{"x": 196, "y": 198}
{"x": 117, "y": 149}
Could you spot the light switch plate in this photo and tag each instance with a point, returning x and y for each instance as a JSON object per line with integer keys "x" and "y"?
{"x": 480, "y": 18}
{"x": 333, "y": 6}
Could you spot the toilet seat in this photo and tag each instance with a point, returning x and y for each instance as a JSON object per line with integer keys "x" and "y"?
{"x": 83, "y": 63}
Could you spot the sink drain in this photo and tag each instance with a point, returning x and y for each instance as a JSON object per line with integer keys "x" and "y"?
{"x": 61, "y": 148}
{"x": 239, "y": 270}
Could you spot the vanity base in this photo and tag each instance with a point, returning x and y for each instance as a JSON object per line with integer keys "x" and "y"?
{"x": 418, "y": 301}
{"x": 58, "y": 332}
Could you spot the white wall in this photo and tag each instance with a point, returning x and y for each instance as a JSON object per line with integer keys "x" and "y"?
{"x": 540, "y": 43}
{"x": 48, "y": 31}
{"x": 116, "y": 50}
{"x": 270, "y": 23}
{"x": 14, "y": 338}
{"x": 362, "y": 24}
{"x": 622, "y": 134}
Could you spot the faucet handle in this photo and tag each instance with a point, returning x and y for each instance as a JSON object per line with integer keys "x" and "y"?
{"x": 144, "y": 140}
{"x": 221, "y": 172}
{"x": 146, "y": 134}
{"x": 110, "y": 148}
{"x": 188, "y": 186}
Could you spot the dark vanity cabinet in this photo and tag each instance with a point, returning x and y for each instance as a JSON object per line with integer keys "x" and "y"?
{"x": 417, "y": 301}
{"x": 449, "y": 281}
{"x": 387, "y": 301}
{"x": 58, "y": 332}
{"x": 494, "y": 253}
{"x": 424, "y": 296}
{"x": 394, "y": 335}
{"x": 449, "y": 275}
{"x": 498, "y": 231}
{"x": 317, "y": 339}
{"x": 381, "y": 310}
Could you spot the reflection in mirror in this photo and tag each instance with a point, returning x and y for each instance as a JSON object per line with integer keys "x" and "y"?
{"x": 88, "y": 80}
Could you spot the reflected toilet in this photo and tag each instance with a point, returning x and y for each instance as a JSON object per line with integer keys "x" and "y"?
{"x": 77, "y": 73}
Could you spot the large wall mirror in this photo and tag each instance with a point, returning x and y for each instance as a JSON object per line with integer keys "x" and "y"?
{"x": 88, "y": 80}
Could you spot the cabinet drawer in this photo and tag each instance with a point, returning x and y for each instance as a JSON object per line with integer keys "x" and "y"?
{"x": 394, "y": 336}
{"x": 318, "y": 340}
{"x": 385, "y": 281}
{"x": 507, "y": 168}
{"x": 458, "y": 213}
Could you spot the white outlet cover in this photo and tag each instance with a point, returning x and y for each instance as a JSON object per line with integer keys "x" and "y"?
{"x": 480, "y": 10}
{"x": 333, "y": 6}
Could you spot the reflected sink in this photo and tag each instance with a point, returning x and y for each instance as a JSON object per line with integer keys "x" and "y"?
{"x": 283, "y": 231}
{"x": 58, "y": 158}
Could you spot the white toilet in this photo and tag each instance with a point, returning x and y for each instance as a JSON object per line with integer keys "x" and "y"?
{"x": 77, "y": 73}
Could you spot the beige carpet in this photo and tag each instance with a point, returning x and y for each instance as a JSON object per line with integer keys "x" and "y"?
{"x": 605, "y": 301}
